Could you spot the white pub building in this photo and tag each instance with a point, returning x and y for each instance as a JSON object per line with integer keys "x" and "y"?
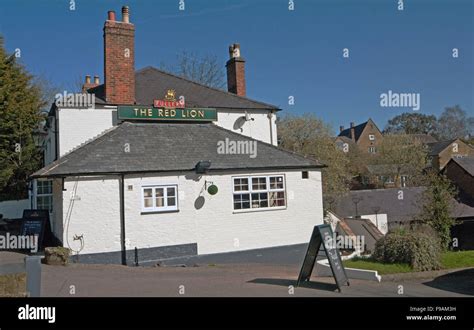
{"x": 171, "y": 167}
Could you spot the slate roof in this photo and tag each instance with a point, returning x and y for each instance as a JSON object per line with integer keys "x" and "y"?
{"x": 160, "y": 147}
{"x": 467, "y": 163}
{"x": 358, "y": 131}
{"x": 397, "y": 210}
{"x": 152, "y": 83}
{"x": 436, "y": 147}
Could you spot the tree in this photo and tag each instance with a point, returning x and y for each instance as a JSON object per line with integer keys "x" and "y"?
{"x": 402, "y": 154}
{"x": 437, "y": 206}
{"x": 411, "y": 123}
{"x": 454, "y": 123}
{"x": 310, "y": 136}
{"x": 206, "y": 70}
{"x": 20, "y": 104}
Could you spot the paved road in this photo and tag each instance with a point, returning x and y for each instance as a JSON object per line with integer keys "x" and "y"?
{"x": 227, "y": 280}
{"x": 260, "y": 273}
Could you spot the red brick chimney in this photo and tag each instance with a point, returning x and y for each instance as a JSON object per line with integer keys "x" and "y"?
{"x": 353, "y": 135}
{"x": 235, "y": 71}
{"x": 119, "y": 59}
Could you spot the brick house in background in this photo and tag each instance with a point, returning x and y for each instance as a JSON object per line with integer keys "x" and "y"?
{"x": 461, "y": 172}
{"x": 440, "y": 153}
{"x": 366, "y": 136}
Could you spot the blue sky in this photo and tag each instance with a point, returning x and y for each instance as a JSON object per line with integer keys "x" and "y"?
{"x": 296, "y": 53}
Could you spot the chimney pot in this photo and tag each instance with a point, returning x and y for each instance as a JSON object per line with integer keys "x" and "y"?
{"x": 234, "y": 50}
{"x": 235, "y": 71}
{"x": 111, "y": 15}
{"x": 96, "y": 80}
{"x": 88, "y": 79}
{"x": 352, "y": 124}
{"x": 341, "y": 128}
{"x": 125, "y": 14}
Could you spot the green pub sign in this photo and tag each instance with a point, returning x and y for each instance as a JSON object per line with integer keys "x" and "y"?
{"x": 151, "y": 113}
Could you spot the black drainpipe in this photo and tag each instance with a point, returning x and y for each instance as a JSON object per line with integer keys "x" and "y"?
{"x": 122, "y": 219}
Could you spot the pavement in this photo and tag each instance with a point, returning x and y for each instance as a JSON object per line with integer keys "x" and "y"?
{"x": 259, "y": 273}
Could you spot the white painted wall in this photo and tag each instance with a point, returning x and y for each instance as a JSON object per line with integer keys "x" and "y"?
{"x": 14, "y": 209}
{"x": 215, "y": 227}
{"x": 262, "y": 128}
{"x": 90, "y": 207}
{"x": 77, "y": 126}
{"x": 380, "y": 219}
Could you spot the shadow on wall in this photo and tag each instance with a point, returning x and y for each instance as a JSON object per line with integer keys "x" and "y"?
{"x": 460, "y": 282}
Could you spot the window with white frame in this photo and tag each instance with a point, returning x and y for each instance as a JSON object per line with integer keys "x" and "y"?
{"x": 159, "y": 198}
{"x": 372, "y": 150}
{"x": 371, "y": 137}
{"x": 44, "y": 195}
{"x": 257, "y": 192}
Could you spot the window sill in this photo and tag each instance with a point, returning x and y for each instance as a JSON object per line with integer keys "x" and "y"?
{"x": 158, "y": 212}
{"x": 260, "y": 209}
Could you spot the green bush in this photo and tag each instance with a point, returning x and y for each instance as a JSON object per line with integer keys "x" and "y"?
{"x": 418, "y": 247}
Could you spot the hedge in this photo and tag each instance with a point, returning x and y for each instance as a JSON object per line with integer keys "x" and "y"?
{"x": 420, "y": 248}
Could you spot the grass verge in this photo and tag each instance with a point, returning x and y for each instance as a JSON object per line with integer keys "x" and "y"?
{"x": 449, "y": 260}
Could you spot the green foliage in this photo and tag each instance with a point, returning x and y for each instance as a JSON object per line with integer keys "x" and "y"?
{"x": 418, "y": 248}
{"x": 310, "y": 136}
{"x": 437, "y": 204}
{"x": 20, "y": 101}
{"x": 411, "y": 123}
{"x": 454, "y": 123}
{"x": 449, "y": 260}
{"x": 381, "y": 268}
{"x": 457, "y": 259}
{"x": 401, "y": 154}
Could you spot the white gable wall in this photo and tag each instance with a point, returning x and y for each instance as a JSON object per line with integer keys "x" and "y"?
{"x": 77, "y": 126}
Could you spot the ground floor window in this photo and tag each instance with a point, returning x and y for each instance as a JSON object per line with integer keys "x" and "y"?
{"x": 257, "y": 192}
{"x": 159, "y": 198}
{"x": 44, "y": 195}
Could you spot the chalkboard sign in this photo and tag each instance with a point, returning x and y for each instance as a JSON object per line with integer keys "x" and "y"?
{"x": 36, "y": 222}
{"x": 323, "y": 235}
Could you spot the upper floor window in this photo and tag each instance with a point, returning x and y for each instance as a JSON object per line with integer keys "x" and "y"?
{"x": 252, "y": 192}
{"x": 371, "y": 137}
{"x": 159, "y": 198}
{"x": 372, "y": 150}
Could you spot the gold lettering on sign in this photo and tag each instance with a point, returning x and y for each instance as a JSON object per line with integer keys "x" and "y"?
{"x": 173, "y": 113}
{"x": 160, "y": 112}
{"x": 201, "y": 113}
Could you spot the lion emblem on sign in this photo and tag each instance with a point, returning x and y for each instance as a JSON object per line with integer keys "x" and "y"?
{"x": 170, "y": 95}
